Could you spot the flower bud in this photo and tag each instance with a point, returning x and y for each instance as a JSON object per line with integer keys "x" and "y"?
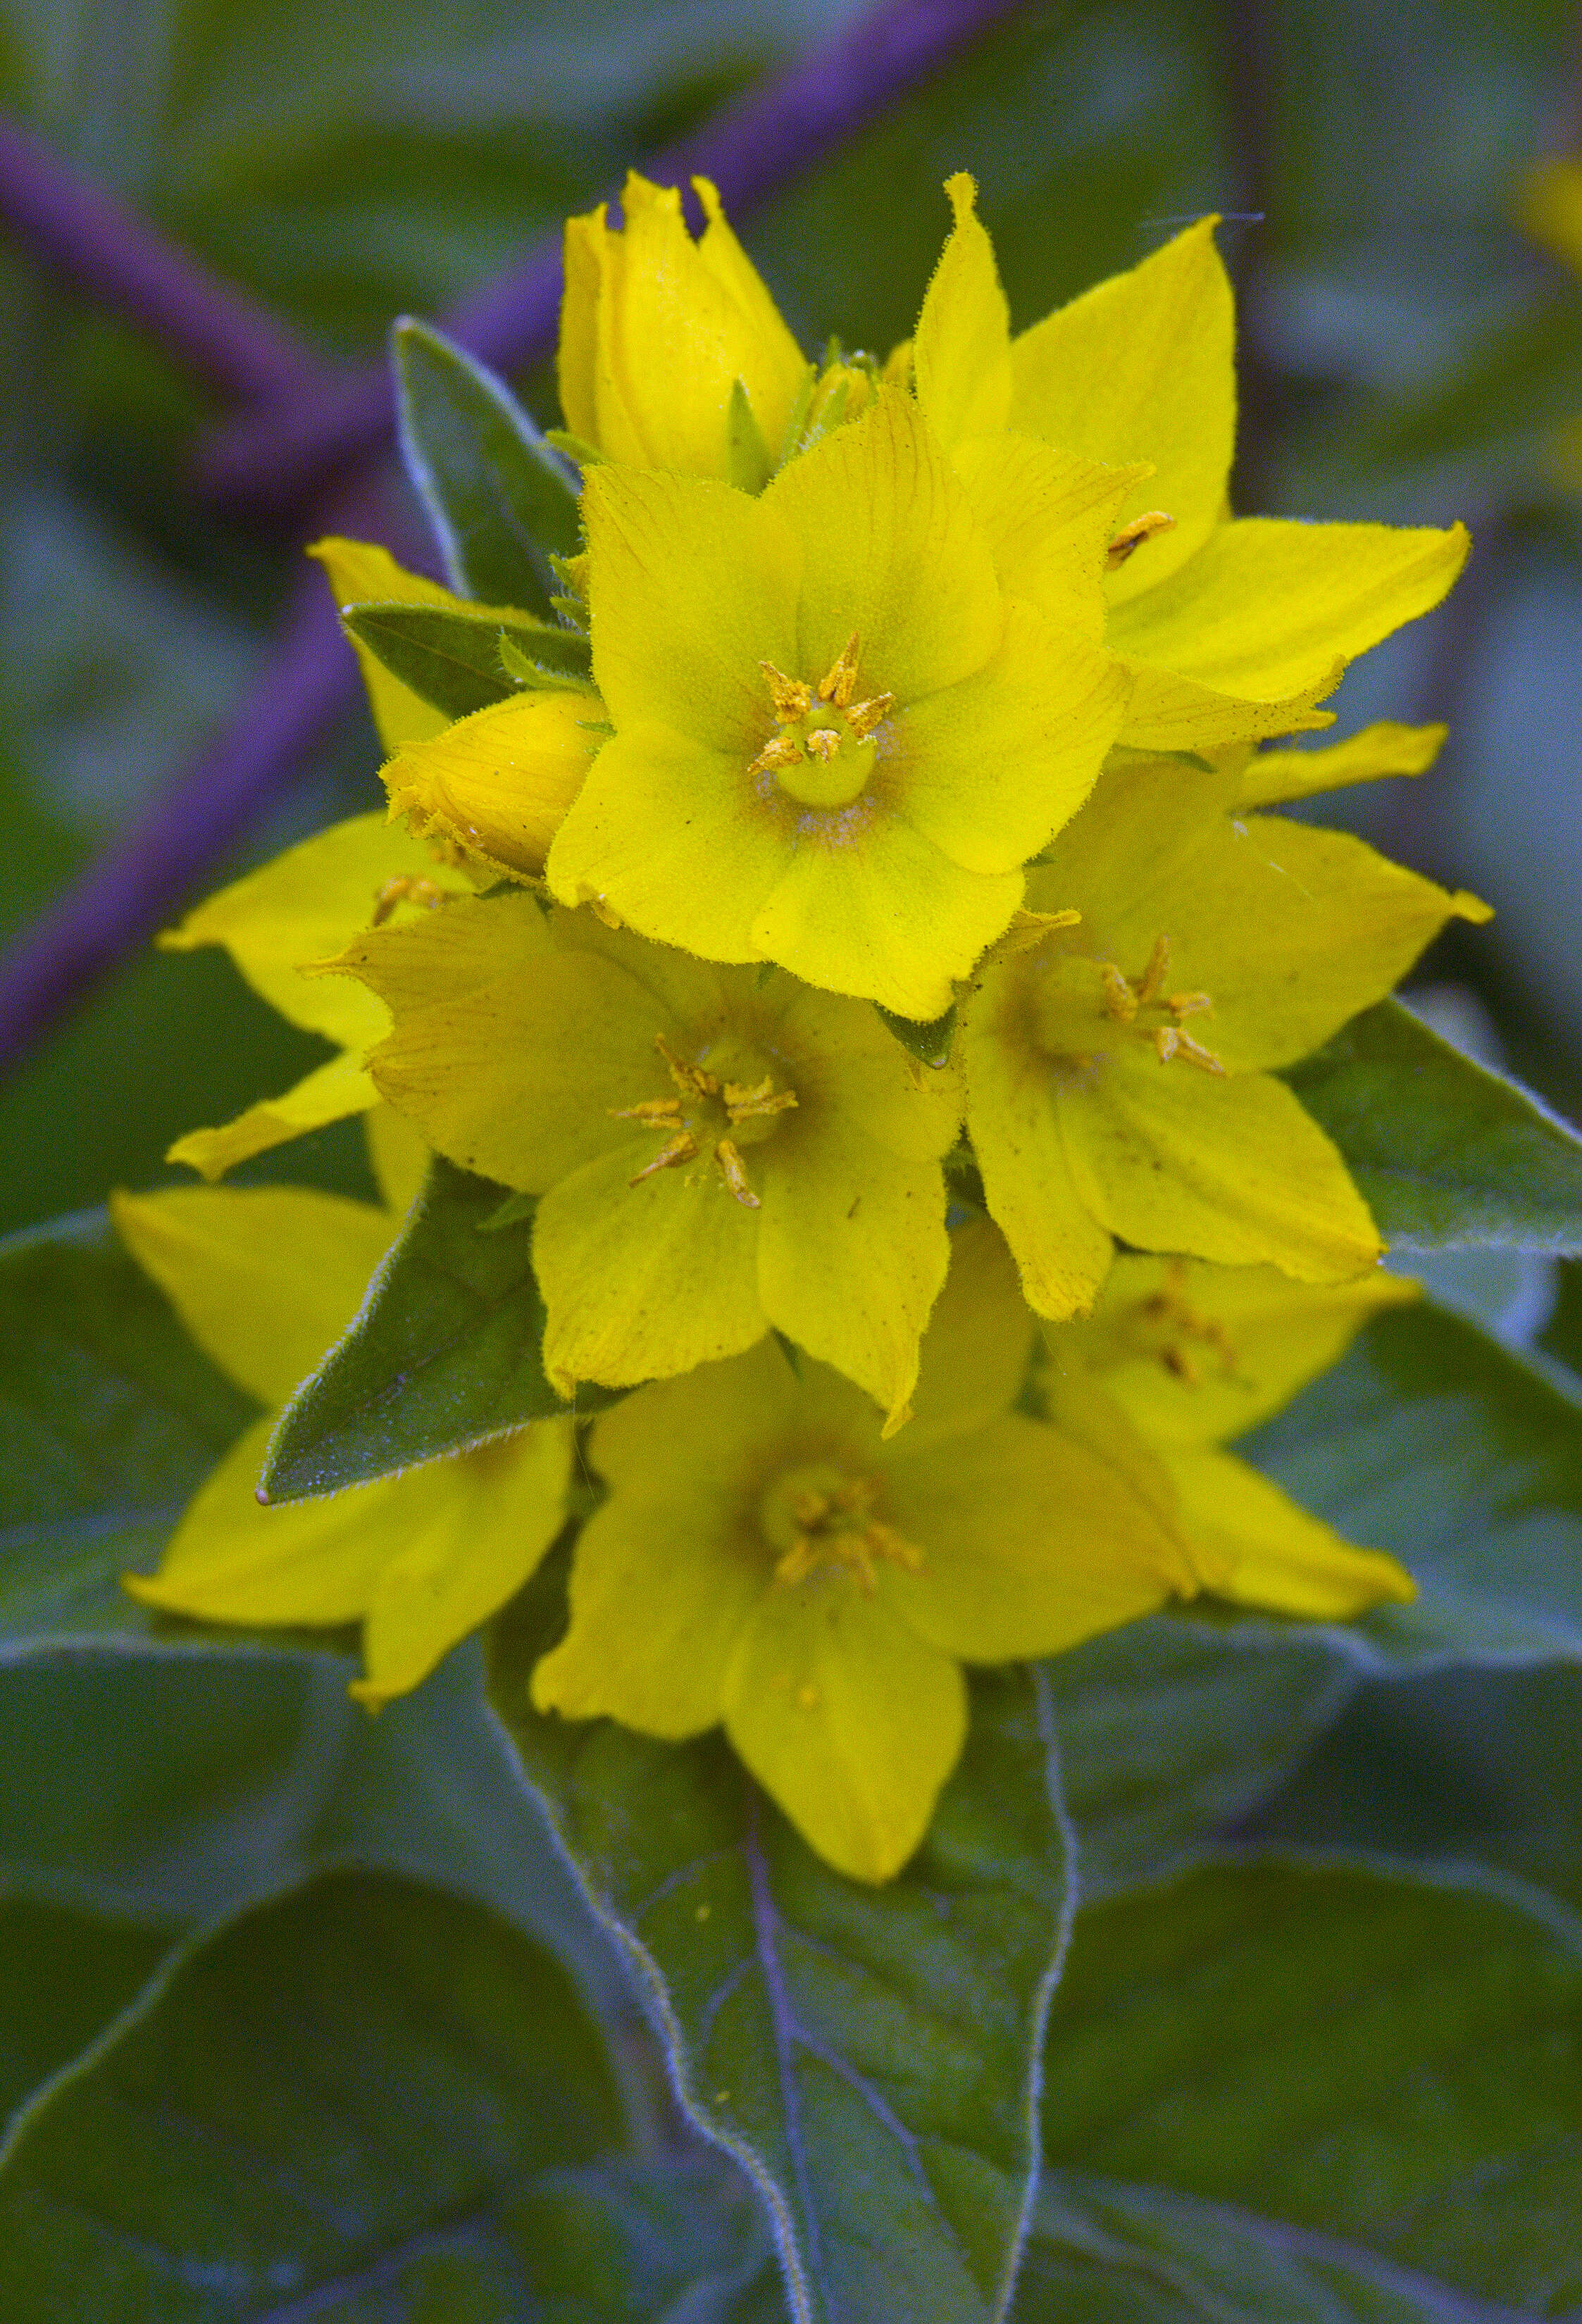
{"x": 656, "y": 329}
{"x": 497, "y": 785}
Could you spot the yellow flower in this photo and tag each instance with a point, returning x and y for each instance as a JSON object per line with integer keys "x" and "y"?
{"x": 497, "y": 786}
{"x": 301, "y": 906}
{"x": 656, "y": 331}
{"x": 837, "y": 738}
{"x": 1119, "y": 1073}
{"x": 265, "y": 1279}
{"x": 716, "y": 1154}
{"x": 767, "y": 1561}
{"x": 1195, "y": 1355}
{"x": 1231, "y": 628}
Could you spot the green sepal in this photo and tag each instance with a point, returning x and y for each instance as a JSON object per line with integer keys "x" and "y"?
{"x": 1448, "y": 1155}
{"x": 931, "y": 1043}
{"x": 512, "y": 1213}
{"x": 447, "y": 1351}
{"x": 500, "y": 498}
{"x": 867, "y": 2055}
{"x": 577, "y": 448}
{"x": 457, "y": 664}
{"x": 749, "y": 463}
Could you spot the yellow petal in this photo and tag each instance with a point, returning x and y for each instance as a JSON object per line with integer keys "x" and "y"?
{"x": 1169, "y": 1158}
{"x": 891, "y": 549}
{"x": 398, "y": 1158}
{"x": 643, "y": 1281}
{"x": 995, "y": 764}
{"x": 1268, "y": 610}
{"x": 362, "y": 573}
{"x": 692, "y": 585}
{"x": 962, "y": 352}
{"x": 1168, "y": 712}
{"x": 1548, "y": 206}
{"x": 498, "y": 783}
{"x": 1141, "y": 367}
{"x": 313, "y": 1563}
{"x": 656, "y": 331}
{"x": 852, "y": 1251}
{"x": 1197, "y": 1354}
{"x": 667, "y": 1570}
{"x": 979, "y": 1343}
{"x": 328, "y": 1093}
{"x": 1033, "y": 1543}
{"x": 672, "y": 836}
{"x": 1273, "y": 777}
{"x": 265, "y": 1278}
{"x": 300, "y": 908}
{"x": 1264, "y": 1551}
{"x": 472, "y": 1528}
{"x": 1050, "y": 518}
{"x": 443, "y": 957}
{"x": 849, "y": 1722}
{"x": 1015, "y": 1125}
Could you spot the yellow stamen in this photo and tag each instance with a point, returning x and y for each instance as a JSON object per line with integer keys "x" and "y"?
{"x": 779, "y": 750}
{"x": 744, "y": 1104}
{"x": 792, "y": 696}
{"x": 733, "y": 1170}
{"x": 1187, "y": 1004}
{"x": 682, "y": 1148}
{"x": 1197, "y": 1055}
{"x": 840, "y": 680}
{"x": 1119, "y": 1000}
{"x": 864, "y": 716}
{"x": 1131, "y": 536}
{"x": 656, "y": 1110}
{"x": 1166, "y": 1041}
{"x": 824, "y": 742}
{"x": 1154, "y": 974}
{"x": 406, "y": 888}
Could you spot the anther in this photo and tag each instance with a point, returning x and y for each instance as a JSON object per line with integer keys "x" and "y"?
{"x": 734, "y": 1172}
{"x": 779, "y": 750}
{"x": 1197, "y": 1055}
{"x": 682, "y": 1148}
{"x": 659, "y": 1112}
{"x": 749, "y": 1104}
{"x": 1120, "y": 1001}
{"x": 406, "y": 888}
{"x": 1154, "y": 974}
{"x": 1187, "y": 1004}
{"x": 824, "y": 742}
{"x": 791, "y": 698}
{"x": 1131, "y": 536}
{"x": 1166, "y": 1041}
{"x": 862, "y": 717}
{"x": 838, "y": 683}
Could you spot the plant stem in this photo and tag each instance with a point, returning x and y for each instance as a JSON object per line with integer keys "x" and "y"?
{"x": 761, "y": 141}
{"x": 230, "y": 340}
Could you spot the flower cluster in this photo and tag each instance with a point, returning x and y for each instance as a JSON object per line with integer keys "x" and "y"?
{"x": 874, "y": 963}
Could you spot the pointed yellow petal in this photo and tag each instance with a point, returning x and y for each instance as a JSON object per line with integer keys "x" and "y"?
{"x": 1250, "y": 1338}
{"x": 265, "y": 1278}
{"x": 360, "y": 572}
{"x": 328, "y": 1093}
{"x": 1231, "y": 1169}
{"x": 1141, "y": 367}
{"x": 893, "y": 920}
{"x": 995, "y": 764}
{"x": 643, "y": 1281}
{"x": 693, "y": 587}
{"x": 768, "y": 360}
{"x": 1168, "y": 712}
{"x": 962, "y": 352}
{"x": 303, "y": 905}
{"x": 979, "y": 1343}
{"x": 474, "y": 1527}
{"x": 1062, "y": 1250}
{"x": 443, "y": 957}
{"x": 398, "y": 1158}
{"x": 1263, "y": 1549}
{"x": 1273, "y": 777}
{"x": 1267, "y": 609}
{"x": 849, "y": 1722}
{"x": 311, "y": 1562}
{"x": 499, "y": 783}
{"x": 1050, "y": 518}
{"x": 890, "y": 551}
{"x": 577, "y": 357}
{"x": 852, "y": 1251}
{"x": 674, "y": 837}
{"x": 1033, "y": 1542}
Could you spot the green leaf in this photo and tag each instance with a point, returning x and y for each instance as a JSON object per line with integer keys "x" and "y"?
{"x": 931, "y": 1043}
{"x": 109, "y": 1421}
{"x": 1435, "y": 1443}
{"x": 1383, "y": 2078}
{"x": 456, "y": 663}
{"x": 499, "y": 498}
{"x": 447, "y": 1351}
{"x": 341, "y": 2101}
{"x": 1449, "y": 1155}
{"x": 864, "y": 2052}
{"x": 63, "y": 1977}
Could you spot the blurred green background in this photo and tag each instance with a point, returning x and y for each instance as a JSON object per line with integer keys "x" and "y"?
{"x": 1409, "y": 355}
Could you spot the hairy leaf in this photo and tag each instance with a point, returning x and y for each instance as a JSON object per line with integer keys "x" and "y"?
{"x": 63, "y": 1976}
{"x": 500, "y": 499}
{"x": 446, "y": 1352}
{"x": 348, "y": 2097}
{"x": 1449, "y": 1155}
{"x": 1382, "y": 2078}
{"x": 455, "y": 662}
{"x": 864, "y": 2053}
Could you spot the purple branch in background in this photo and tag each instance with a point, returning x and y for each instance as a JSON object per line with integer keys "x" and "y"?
{"x": 229, "y": 340}
{"x": 761, "y": 142}
{"x": 309, "y": 678}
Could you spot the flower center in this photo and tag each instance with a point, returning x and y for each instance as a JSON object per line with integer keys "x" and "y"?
{"x": 1141, "y": 1003}
{"x": 708, "y": 1115}
{"x": 824, "y": 747}
{"x": 1167, "y": 1329}
{"x": 819, "y": 1519}
{"x": 1058, "y": 1001}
